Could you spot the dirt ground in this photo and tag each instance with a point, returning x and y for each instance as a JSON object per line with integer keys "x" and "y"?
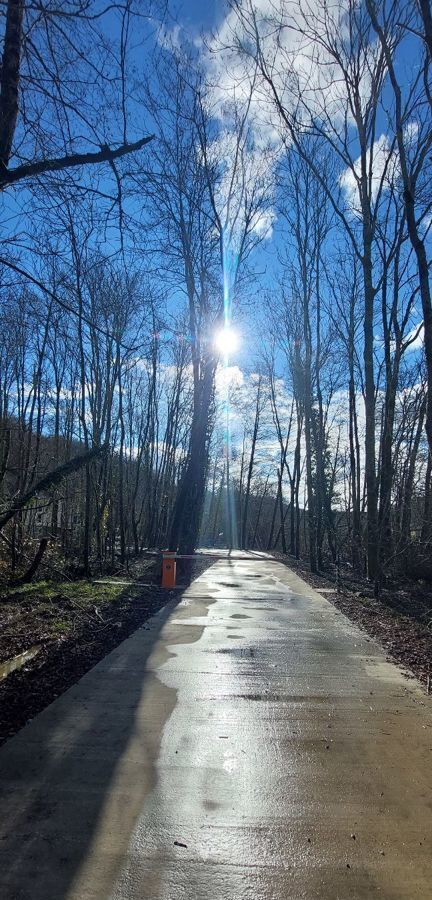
{"x": 400, "y": 620}
{"x": 63, "y": 628}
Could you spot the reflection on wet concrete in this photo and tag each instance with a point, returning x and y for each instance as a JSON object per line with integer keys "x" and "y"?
{"x": 283, "y": 759}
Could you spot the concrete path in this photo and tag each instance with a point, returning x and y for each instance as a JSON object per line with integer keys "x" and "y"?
{"x": 248, "y": 744}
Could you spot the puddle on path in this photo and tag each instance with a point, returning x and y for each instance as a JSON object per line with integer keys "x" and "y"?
{"x": 17, "y": 662}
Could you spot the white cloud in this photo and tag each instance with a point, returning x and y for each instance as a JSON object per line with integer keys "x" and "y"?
{"x": 169, "y": 38}
{"x": 305, "y": 73}
{"x": 308, "y": 80}
{"x": 246, "y": 185}
{"x": 229, "y": 377}
{"x": 384, "y": 169}
{"x": 415, "y": 337}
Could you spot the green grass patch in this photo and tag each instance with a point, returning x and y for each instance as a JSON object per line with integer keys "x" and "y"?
{"x": 87, "y": 593}
{"x": 84, "y": 592}
{"x": 56, "y": 608}
{"x": 60, "y": 626}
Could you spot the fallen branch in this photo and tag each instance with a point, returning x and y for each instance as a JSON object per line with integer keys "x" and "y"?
{"x": 32, "y": 569}
{"x": 51, "y": 479}
{"x": 44, "y": 564}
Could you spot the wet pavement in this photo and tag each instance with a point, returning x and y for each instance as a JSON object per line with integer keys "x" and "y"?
{"x": 249, "y": 743}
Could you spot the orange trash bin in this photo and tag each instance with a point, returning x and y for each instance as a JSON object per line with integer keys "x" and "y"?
{"x": 169, "y": 570}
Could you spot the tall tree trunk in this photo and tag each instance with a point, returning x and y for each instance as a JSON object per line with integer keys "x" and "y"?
{"x": 368, "y": 360}
{"x": 122, "y": 520}
{"x": 409, "y": 198}
{"x": 409, "y": 480}
{"x": 10, "y": 76}
{"x": 188, "y": 508}
{"x": 244, "y": 537}
{"x": 281, "y": 513}
{"x": 258, "y": 517}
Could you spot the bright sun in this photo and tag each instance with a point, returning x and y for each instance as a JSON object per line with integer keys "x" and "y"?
{"x": 226, "y": 340}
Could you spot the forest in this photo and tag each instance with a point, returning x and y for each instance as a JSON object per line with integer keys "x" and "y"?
{"x": 216, "y": 314}
{"x": 215, "y": 449}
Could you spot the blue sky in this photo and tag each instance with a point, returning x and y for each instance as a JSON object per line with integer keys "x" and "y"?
{"x": 199, "y": 13}
{"x": 195, "y": 16}
{"x": 252, "y": 321}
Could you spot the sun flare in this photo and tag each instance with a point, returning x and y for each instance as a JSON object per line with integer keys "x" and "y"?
{"x": 226, "y": 340}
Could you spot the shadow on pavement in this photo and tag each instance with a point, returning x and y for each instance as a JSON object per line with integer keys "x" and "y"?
{"x": 67, "y": 803}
